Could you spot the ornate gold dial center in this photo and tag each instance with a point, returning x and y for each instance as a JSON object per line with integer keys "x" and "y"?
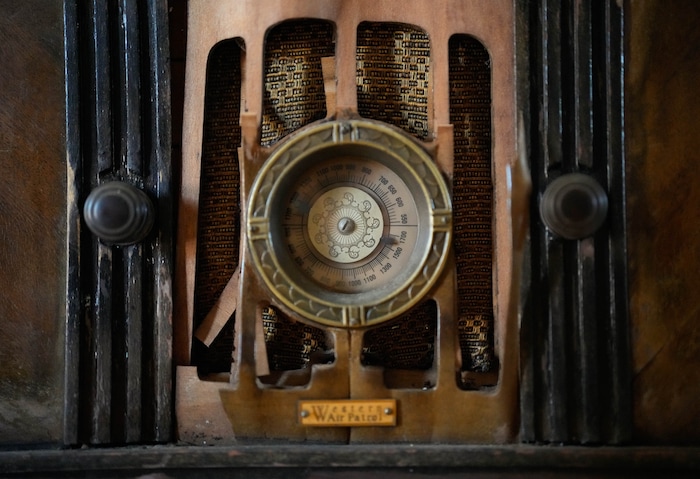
{"x": 345, "y": 224}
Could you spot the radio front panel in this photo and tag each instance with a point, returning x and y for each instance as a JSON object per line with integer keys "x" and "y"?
{"x": 350, "y": 223}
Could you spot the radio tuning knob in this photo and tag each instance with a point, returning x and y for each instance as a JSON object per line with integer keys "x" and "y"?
{"x": 574, "y": 206}
{"x": 118, "y": 213}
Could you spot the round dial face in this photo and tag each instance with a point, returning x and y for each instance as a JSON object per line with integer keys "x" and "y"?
{"x": 349, "y": 223}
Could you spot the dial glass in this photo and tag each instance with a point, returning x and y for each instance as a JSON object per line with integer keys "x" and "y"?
{"x": 350, "y": 224}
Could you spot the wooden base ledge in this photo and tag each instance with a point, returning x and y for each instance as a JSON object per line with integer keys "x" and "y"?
{"x": 372, "y": 461}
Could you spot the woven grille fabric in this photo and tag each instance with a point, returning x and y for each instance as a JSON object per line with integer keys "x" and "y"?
{"x": 470, "y": 113}
{"x": 393, "y": 66}
{"x": 219, "y": 199}
{"x": 407, "y": 342}
{"x": 294, "y": 95}
{"x": 291, "y": 345}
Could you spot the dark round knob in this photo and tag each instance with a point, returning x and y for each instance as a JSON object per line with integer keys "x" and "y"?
{"x": 118, "y": 213}
{"x": 574, "y": 206}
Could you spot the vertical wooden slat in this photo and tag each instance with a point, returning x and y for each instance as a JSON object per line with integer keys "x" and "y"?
{"x": 73, "y": 187}
{"x": 556, "y": 357}
{"x": 586, "y": 390}
{"x": 619, "y": 389}
{"x": 579, "y": 17}
{"x": 579, "y": 157}
{"x": 101, "y": 345}
{"x": 101, "y": 132}
{"x": 133, "y": 319}
{"x": 529, "y": 377}
{"x": 129, "y": 87}
{"x": 528, "y": 28}
{"x": 532, "y": 331}
{"x": 552, "y": 254}
{"x": 158, "y": 185}
{"x": 101, "y": 158}
{"x": 550, "y": 71}
{"x": 131, "y": 167}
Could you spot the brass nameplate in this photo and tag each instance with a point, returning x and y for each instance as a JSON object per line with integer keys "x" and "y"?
{"x": 348, "y": 412}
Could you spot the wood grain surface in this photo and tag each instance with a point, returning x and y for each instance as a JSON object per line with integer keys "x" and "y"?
{"x": 663, "y": 149}
{"x": 32, "y": 221}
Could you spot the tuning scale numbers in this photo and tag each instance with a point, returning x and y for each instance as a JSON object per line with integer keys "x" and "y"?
{"x": 350, "y": 224}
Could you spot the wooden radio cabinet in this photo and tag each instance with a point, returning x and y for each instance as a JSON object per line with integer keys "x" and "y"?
{"x": 325, "y": 237}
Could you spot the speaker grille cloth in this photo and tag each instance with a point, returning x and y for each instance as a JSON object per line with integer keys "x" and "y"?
{"x": 470, "y": 113}
{"x": 408, "y": 342}
{"x": 393, "y": 64}
{"x": 292, "y": 345}
{"x": 219, "y": 208}
{"x": 293, "y": 79}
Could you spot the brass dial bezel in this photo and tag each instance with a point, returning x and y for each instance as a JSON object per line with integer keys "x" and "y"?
{"x": 362, "y": 138}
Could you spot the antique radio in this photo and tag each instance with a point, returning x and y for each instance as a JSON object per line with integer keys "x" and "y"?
{"x": 350, "y": 223}
{"x": 352, "y": 213}
{"x": 352, "y": 208}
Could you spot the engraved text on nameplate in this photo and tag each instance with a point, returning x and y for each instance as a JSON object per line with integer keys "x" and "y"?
{"x": 348, "y": 412}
